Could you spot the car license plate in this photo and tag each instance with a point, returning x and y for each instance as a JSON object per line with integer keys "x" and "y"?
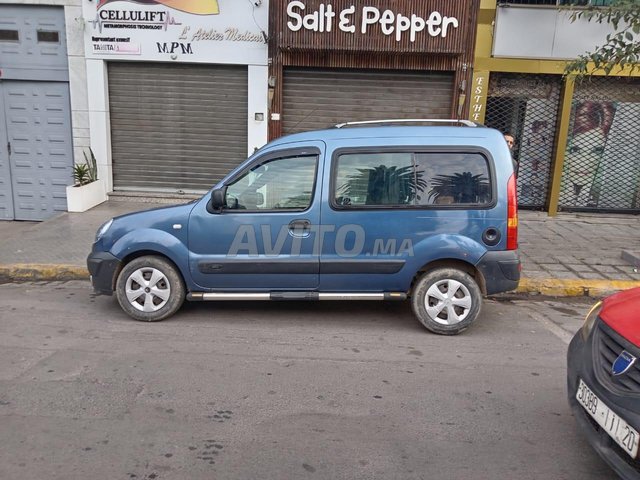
{"x": 624, "y": 435}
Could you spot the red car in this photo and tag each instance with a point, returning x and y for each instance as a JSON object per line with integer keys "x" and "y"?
{"x": 604, "y": 380}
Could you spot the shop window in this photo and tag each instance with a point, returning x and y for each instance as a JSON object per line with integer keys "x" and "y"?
{"x": 9, "y": 36}
{"x": 48, "y": 36}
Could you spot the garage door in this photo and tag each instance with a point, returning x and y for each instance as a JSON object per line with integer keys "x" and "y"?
{"x": 176, "y": 127}
{"x": 316, "y": 98}
{"x": 38, "y": 165}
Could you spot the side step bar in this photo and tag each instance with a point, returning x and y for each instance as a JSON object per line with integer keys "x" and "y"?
{"x": 220, "y": 296}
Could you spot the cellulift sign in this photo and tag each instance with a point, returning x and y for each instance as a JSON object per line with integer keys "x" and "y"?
{"x": 210, "y": 31}
{"x": 368, "y": 20}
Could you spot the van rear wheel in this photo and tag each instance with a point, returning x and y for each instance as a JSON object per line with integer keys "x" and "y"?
{"x": 150, "y": 289}
{"x": 446, "y": 300}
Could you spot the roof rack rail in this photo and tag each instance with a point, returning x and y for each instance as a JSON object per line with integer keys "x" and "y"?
{"x": 467, "y": 123}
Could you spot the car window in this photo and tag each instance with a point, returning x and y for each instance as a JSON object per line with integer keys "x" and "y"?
{"x": 452, "y": 179}
{"x": 373, "y": 179}
{"x": 411, "y": 179}
{"x": 277, "y": 184}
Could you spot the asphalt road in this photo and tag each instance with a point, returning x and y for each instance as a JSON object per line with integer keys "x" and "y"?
{"x": 283, "y": 391}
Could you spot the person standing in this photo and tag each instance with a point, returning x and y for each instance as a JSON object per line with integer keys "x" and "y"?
{"x": 511, "y": 142}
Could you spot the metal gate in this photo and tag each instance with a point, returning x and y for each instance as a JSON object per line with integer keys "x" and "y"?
{"x": 40, "y": 153}
{"x": 320, "y": 98}
{"x": 36, "y": 154}
{"x": 176, "y": 127}
{"x": 602, "y": 157}
{"x": 526, "y": 106}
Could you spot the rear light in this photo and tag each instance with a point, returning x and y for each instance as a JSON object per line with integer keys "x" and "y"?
{"x": 512, "y": 214}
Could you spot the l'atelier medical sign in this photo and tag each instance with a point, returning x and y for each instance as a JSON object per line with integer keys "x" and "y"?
{"x": 426, "y": 25}
{"x": 210, "y": 31}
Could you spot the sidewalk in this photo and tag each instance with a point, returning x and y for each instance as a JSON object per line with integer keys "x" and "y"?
{"x": 571, "y": 254}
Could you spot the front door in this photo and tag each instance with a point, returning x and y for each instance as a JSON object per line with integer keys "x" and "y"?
{"x": 264, "y": 238}
{"x": 37, "y": 120}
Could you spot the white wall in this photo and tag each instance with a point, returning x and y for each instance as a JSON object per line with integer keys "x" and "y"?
{"x": 545, "y": 33}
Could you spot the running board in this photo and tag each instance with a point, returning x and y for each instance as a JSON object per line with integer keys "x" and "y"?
{"x": 221, "y": 296}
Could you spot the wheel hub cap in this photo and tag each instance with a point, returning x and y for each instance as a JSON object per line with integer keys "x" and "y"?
{"x": 448, "y": 302}
{"x": 147, "y": 289}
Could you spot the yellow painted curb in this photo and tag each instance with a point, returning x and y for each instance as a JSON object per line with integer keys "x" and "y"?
{"x": 574, "y": 287}
{"x": 22, "y": 272}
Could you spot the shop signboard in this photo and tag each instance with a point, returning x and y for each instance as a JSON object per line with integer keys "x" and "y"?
{"x": 208, "y": 31}
{"x": 374, "y": 25}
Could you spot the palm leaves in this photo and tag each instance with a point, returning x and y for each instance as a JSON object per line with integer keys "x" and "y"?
{"x": 462, "y": 187}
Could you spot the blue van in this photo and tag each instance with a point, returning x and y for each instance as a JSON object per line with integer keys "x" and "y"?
{"x": 363, "y": 211}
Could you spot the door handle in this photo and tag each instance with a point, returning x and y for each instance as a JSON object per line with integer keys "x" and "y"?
{"x": 300, "y": 228}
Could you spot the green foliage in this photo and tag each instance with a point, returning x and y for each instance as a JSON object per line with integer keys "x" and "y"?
{"x": 81, "y": 173}
{"x": 622, "y": 47}
{"x": 84, "y": 173}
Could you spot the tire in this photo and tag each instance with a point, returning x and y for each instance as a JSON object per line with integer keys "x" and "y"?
{"x": 150, "y": 289}
{"x": 439, "y": 312}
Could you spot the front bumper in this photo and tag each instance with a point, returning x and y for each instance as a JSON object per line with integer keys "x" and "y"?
{"x": 501, "y": 271}
{"x": 580, "y": 365}
{"x": 104, "y": 269}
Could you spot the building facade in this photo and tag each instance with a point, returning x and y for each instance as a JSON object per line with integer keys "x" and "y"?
{"x": 178, "y": 90}
{"x": 575, "y": 141}
{"x": 44, "y": 121}
{"x": 168, "y": 96}
{"x": 338, "y": 61}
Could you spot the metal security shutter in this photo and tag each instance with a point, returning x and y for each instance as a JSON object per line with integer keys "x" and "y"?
{"x": 601, "y": 170}
{"x": 315, "y": 98}
{"x": 526, "y": 106}
{"x": 176, "y": 127}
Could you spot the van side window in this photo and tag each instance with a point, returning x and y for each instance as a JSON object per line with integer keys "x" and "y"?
{"x": 453, "y": 179}
{"x": 375, "y": 179}
{"x": 278, "y": 184}
{"x": 397, "y": 179}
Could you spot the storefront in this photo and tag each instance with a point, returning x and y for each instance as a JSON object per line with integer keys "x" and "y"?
{"x": 601, "y": 169}
{"x": 180, "y": 90}
{"x": 577, "y": 145}
{"x": 334, "y": 61}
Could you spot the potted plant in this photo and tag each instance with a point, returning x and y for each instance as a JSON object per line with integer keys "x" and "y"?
{"x": 87, "y": 191}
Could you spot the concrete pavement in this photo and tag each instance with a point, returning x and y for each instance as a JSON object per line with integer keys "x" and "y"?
{"x": 571, "y": 254}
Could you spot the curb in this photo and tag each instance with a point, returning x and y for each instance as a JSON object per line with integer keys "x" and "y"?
{"x": 29, "y": 272}
{"x": 555, "y": 287}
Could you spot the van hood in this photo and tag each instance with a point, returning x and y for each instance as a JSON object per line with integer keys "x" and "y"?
{"x": 172, "y": 218}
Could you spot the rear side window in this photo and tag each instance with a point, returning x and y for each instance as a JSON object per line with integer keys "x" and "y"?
{"x": 411, "y": 179}
{"x": 452, "y": 179}
{"x": 375, "y": 179}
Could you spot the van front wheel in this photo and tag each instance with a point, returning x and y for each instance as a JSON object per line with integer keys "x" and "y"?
{"x": 446, "y": 300}
{"x": 150, "y": 289}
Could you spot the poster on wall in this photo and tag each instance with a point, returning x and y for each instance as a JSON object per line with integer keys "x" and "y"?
{"x": 535, "y": 152}
{"x": 601, "y": 165}
{"x": 211, "y": 31}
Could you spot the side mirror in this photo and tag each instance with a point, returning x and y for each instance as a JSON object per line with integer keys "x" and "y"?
{"x": 219, "y": 198}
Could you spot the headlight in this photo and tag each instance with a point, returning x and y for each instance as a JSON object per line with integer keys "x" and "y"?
{"x": 103, "y": 229}
{"x": 590, "y": 320}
